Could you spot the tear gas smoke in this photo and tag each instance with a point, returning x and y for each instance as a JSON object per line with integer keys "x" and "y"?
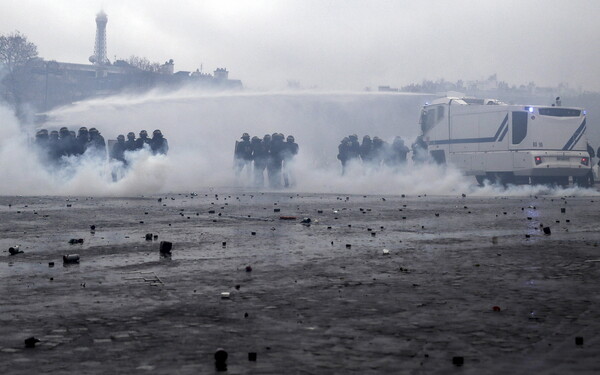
{"x": 202, "y": 128}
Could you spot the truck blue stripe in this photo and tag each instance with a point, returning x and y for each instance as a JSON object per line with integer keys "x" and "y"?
{"x": 575, "y": 137}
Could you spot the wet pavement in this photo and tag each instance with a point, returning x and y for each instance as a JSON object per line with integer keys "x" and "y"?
{"x": 374, "y": 284}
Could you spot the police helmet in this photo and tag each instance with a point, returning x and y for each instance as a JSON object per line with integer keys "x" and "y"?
{"x": 93, "y": 131}
{"x": 245, "y": 136}
{"x": 54, "y": 132}
{"x": 366, "y": 137}
{"x": 353, "y": 137}
{"x": 143, "y": 134}
{"x": 42, "y": 132}
{"x": 157, "y": 133}
{"x": 290, "y": 138}
{"x": 255, "y": 139}
{"x": 267, "y": 136}
{"x": 83, "y": 129}
{"x": 120, "y": 137}
{"x": 131, "y": 135}
{"x": 64, "y": 130}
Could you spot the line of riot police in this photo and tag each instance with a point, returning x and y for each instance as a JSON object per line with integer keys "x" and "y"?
{"x": 376, "y": 152}
{"x": 158, "y": 144}
{"x": 273, "y": 153}
{"x": 56, "y": 144}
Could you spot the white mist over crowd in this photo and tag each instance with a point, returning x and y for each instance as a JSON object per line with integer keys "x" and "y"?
{"x": 202, "y": 128}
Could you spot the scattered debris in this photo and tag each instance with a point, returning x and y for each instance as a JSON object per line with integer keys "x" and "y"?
{"x": 14, "y": 250}
{"x": 71, "y": 259}
{"x": 148, "y": 236}
{"x": 547, "y": 231}
{"x": 50, "y": 264}
{"x": 248, "y": 269}
{"x": 165, "y": 247}
{"x": 579, "y": 340}
{"x": 386, "y": 252}
{"x": 225, "y": 295}
{"x": 252, "y": 357}
{"x": 458, "y": 361}
{"x": 276, "y": 209}
{"x": 496, "y": 308}
{"x": 74, "y": 241}
{"x": 221, "y": 359}
{"x": 30, "y": 342}
{"x": 287, "y": 217}
{"x": 92, "y": 227}
{"x": 306, "y": 220}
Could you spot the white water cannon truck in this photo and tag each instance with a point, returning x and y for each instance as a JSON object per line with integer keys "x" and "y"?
{"x": 508, "y": 144}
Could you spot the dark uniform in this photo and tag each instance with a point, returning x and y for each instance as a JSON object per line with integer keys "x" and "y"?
{"x": 260, "y": 155}
{"x": 159, "y": 144}
{"x": 366, "y": 149}
{"x": 81, "y": 141}
{"x": 66, "y": 144}
{"x": 380, "y": 149}
{"x": 398, "y": 152}
{"x": 118, "y": 149}
{"x": 290, "y": 151}
{"x": 354, "y": 149}
{"x": 96, "y": 144}
{"x": 276, "y": 160}
{"x": 130, "y": 144}
{"x": 142, "y": 140}
{"x": 243, "y": 154}
{"x": 343, "y": 149}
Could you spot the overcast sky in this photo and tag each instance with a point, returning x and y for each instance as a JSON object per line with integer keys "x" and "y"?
{"x": 335, "y": 44}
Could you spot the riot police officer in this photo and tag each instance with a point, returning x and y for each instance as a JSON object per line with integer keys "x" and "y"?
{"x": 159, "y": 144}
{"x": 142, "y": 140}
{"x": 243, "y": 154}
{"x": 130, "y": 144}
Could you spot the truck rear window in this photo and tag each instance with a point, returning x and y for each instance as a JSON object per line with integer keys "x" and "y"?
{"x": 560, "y": 112}
{"x": 519, "y": 127}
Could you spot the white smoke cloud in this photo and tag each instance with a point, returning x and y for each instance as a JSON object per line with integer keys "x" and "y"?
{"x": 201, "y": 129}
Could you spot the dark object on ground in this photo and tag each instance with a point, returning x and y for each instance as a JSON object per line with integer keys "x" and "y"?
{"x": 496, "y": 308}
{"x": 74, "y": 241}
{"x": 221, "y": 359}
{"x": 148, "y": 236}
{"x": 563, "y": 210}
{"x": 547, "y": 231}
{"x": 348, "y": 246}
{"x": 252, "y": 357}
{"x": 165, "y": 247}
{"x": 14, "y": 250}
{"x": 70, "y": 259}
{"x": 50, "y": 264}
{"x": 92, "y": 227}
{"x": 458, "y": 361}
{"x": 306, "y": 220}
{"x": 276, "y": 209}
{"x": 30, "y": 342}
{"x": 286, "y": 217}
{"x": 578, "y": 340}
{"x": 248, "y": 269}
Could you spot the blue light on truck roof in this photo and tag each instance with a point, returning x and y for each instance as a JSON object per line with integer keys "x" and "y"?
{"x": 584, "y": 112}
{"x": 530, "y": 109}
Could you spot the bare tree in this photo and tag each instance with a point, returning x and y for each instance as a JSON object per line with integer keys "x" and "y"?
{"x": 15, "y": 51}
{"x": 143, "y": 63}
